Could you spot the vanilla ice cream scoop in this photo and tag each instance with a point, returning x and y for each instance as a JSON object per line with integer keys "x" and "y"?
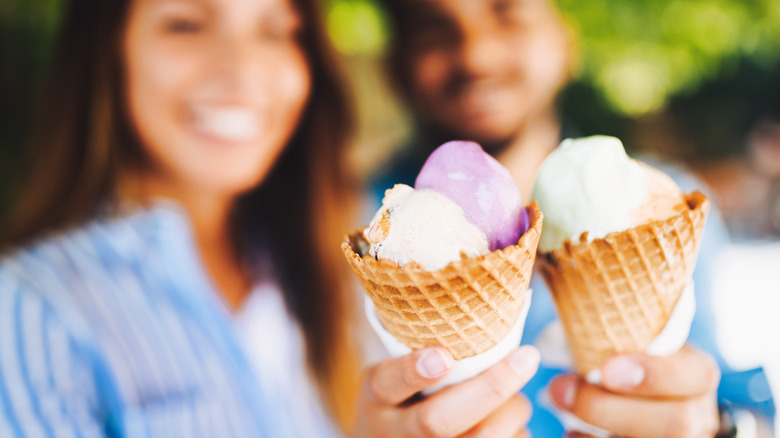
{"x": 422, "y": 226}
{"x": 591, "y": 184}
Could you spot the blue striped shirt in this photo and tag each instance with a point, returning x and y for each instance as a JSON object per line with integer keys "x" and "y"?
{"x": 113, "y": 329}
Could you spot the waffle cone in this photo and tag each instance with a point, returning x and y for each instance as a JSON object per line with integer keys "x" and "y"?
{"x": 615, "y": 295}
{"x": 467, "y": 306}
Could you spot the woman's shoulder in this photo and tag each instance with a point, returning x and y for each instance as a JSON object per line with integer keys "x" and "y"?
{"x": 90, "y": 256}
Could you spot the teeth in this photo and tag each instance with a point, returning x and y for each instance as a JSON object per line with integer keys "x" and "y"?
{"x": 231, "y": 124}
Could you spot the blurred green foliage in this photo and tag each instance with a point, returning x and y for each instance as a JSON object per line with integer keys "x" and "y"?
{"x": 637, "y": 53}
{"x": 356, "y": 26}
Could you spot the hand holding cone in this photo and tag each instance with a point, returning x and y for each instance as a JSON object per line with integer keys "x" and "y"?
{"x": 615, "y": 293}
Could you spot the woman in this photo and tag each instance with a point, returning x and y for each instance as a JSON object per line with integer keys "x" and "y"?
{"x": 172, "y": 267}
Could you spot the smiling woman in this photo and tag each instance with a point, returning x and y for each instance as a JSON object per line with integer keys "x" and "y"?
{"x": 214, "y": 97}
{"x": 185, "y": 168}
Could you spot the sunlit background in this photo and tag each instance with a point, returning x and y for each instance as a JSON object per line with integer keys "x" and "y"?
{"x": 694, "y": 81}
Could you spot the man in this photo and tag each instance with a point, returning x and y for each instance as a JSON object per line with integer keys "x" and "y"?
{"x": 490, "y": 71}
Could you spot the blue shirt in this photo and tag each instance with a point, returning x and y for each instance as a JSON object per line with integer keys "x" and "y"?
{"x": 113, "y": 329}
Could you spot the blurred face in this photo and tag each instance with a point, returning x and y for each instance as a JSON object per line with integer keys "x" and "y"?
{"x": 215, "y": 88}
{"x": 480, "y": 68}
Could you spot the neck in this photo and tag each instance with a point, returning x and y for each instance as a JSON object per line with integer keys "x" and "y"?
{"x": 526, "y": 152}
{"x": 209, "y": 214}
{"x": 221, "y": 257}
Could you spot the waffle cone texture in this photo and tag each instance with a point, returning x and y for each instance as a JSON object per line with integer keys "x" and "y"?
{"x": 467, "y": 306}
{"x": 615, "y": 295}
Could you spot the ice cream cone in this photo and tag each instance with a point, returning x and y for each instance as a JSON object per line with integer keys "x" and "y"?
{"x": 467, "y": 306}
{"x": 615, "y": 295}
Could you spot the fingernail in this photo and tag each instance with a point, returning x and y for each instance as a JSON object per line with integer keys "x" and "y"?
{"x": 433, "y": 364}
{"x": 524, "y": 360}
{"x": 623, "y": 373}
{"x": 563, "y": 391}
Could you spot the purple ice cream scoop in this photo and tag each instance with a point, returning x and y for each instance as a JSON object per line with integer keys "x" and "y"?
{"x": 463, "y": 172}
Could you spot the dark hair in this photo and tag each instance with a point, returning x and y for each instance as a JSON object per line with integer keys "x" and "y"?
{"x": 87, "y": 139}
{"x": 396, "y": 63}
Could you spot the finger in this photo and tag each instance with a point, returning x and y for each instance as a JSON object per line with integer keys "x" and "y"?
{"x": 507, "y": 421}
{"x": 637, "y": 417}
{"x": 394, "y": 380}
{"x": 686, "y": 373}
{"x": 456, "y": 409}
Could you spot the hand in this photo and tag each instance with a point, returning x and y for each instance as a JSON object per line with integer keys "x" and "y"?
{"x": 486, "y": 405}
{"x": 647, "y": 396}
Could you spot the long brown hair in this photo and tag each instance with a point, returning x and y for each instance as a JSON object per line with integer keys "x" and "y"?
{"x": 83, "y": 141}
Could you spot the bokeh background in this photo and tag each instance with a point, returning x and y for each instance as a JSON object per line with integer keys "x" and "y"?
{"x": 696, "y": 81}
{"x": 693, "y": 81}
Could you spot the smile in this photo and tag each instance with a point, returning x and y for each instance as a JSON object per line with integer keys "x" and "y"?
{"x": 232, "y": 124}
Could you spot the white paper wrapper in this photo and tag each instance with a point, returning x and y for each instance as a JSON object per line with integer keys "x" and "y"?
{"x": 669, "y": 341}
{"x": 463, "y": 369}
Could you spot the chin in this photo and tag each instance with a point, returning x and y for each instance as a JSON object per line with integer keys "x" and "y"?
{"x": 492, "y": 136}
{"x": 486, "y": 128}
{"x": 229, "y": 180}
